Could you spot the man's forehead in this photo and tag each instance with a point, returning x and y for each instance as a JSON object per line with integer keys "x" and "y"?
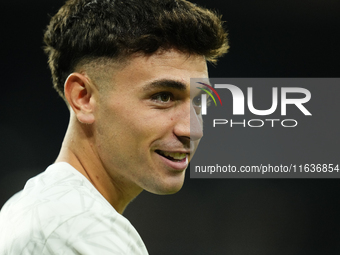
{"x": 170, "y": 57}
{"x": 165, "y": 69}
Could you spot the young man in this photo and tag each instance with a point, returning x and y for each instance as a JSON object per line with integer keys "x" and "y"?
{"x": 124, "y": 69}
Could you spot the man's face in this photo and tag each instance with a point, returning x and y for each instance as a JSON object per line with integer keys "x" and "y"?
{"x": 142, "y": 122}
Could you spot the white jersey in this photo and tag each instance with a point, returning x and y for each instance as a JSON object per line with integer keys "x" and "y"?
{"x": 60, "y": 212}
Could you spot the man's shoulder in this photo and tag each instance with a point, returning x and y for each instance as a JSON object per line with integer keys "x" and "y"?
{"x": 61, "y": 206}
{"x": 59, "y": 190}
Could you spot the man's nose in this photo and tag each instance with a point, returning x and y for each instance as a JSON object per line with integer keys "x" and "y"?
{"x": 190, "y": 124}
{"x": 196, "y": 125}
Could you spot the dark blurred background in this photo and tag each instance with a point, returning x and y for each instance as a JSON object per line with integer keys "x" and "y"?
{"x": 237, "y": 216}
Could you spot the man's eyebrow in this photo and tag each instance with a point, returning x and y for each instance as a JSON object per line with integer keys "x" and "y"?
{"x": 204, "y": 87}
{"x": 165, "y": 84}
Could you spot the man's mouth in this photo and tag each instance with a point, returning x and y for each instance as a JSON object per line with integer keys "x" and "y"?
{"x": 173, "y": 156}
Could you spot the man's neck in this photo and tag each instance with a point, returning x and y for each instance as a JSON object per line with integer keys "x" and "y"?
{"x": 78, "y": 152}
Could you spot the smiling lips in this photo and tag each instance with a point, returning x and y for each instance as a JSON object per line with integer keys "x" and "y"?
{"x": 173, "y": 156}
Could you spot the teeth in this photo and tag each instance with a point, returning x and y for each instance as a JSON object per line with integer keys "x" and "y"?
{"x": 176, "y": 155}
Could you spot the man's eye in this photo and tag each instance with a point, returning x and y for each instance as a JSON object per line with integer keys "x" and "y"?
{"x": 163, "y": 97}
{"x": 197, "y": 101}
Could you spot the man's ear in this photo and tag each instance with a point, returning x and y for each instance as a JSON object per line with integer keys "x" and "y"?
{"x": 79, "y": 94}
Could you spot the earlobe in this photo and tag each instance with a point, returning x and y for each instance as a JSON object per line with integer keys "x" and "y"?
{"x": 79, "y": 94}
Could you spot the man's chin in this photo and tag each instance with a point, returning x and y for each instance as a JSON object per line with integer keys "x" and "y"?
{"x": 167, "y": 188}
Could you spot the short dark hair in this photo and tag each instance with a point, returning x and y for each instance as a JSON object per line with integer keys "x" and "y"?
{"x": 115, "y": 29}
